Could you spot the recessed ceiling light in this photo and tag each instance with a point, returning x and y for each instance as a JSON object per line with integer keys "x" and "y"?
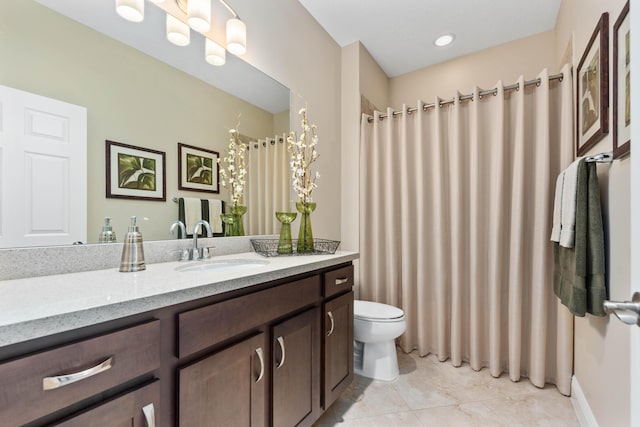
{"x": 444, "y": 40}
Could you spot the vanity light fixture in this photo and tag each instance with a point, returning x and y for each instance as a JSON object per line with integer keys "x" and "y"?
{"x": 214, "y": 54}
{"x": 444, "y": 40}
{"x": 178, "y": 32}
{"x": 198, "y": 17}
{"x": 131, "y": 10}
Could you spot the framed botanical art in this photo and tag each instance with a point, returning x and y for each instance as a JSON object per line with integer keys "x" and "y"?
{"x": 135, "y": 172}
{"x": 198, "y": 169}
{"x": 592, "y": 119}
{"x": 621, "y": 85}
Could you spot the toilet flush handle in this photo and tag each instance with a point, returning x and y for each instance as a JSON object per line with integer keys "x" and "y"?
{"x": 332, "y": 323}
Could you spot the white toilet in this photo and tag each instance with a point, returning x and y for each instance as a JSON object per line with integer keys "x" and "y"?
{"x": 376, "y": 326}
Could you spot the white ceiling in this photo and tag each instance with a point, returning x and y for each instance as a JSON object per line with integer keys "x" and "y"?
{"x": 399, "y": 34}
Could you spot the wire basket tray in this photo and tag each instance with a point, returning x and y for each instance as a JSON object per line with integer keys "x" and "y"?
{"x": 269, "y": 247}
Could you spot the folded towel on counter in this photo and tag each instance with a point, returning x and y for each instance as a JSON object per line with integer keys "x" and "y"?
{"x": 214, "y": 207}
{"x": 192, "y": 212}
{"x": 579, "y": 272}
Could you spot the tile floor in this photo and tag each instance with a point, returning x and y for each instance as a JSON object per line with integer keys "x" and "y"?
{"x": 430, "y": 393}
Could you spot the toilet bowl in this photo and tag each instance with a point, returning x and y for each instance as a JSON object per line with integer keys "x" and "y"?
{"x": 376, "y": 326}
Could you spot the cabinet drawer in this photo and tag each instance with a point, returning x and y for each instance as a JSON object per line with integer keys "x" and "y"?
{"x": 136, "y": 408}
{"x": 42, "y": 383}
{"x": 206, "y": 326}
{"x": 339, "y": 280}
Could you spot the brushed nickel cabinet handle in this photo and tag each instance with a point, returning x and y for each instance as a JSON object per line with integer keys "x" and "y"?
{"x": 341, "y": 281}
{"x": 281, "y": 343}
{"x": 332, "y": 323}
{"x": 261, "y": 357}
{"x": 51, "y": 383}
{"x": 149, "y": 415}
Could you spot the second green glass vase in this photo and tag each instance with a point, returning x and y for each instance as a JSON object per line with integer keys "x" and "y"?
{"x": 305, "y": 234}
{"x": 238, "y": 211}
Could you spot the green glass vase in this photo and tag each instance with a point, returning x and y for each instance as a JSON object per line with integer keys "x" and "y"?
{"x": 230, "y": 224}
{"x": 285, "y": 246}
{"x": 239, "y": 210}
{"x": 305, "y": 234}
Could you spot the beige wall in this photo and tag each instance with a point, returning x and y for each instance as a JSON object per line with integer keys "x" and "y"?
{"x": 602, "y": 345}
{"x": 527, "y": 57}
{"x": 130, "y": 98}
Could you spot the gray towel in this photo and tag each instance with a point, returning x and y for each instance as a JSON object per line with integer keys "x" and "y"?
{"x": 578, "y": 277}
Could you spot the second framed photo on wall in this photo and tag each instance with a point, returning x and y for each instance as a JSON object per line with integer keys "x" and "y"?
{"x": 592, "y": 121}
{"x": 198, "y": 169}
{"x": 621, "y": 85}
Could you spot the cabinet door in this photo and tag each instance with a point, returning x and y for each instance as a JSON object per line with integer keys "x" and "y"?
{"x": 296, "y": 370}
{"x": 338, "y": 347}
{"x": 136, "y": 408}
{"x": 228, "y": 388}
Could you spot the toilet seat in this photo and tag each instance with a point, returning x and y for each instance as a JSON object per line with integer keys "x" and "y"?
{"x": 376, "y": 312}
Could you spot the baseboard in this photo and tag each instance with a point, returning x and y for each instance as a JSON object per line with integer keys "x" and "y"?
{"x": 581, "y": 406}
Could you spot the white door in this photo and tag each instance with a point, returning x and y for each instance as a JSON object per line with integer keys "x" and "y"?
{"x": 634, "y": 12}
{"x": 43, "y": 180}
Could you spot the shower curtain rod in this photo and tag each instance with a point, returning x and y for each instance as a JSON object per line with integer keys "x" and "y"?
{"x": 482, "y": 93}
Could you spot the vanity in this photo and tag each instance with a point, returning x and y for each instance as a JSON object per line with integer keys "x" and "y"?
{"x": 262, "y": 344}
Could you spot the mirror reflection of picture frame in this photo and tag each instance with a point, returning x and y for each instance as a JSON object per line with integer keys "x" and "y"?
{"x": 592, "y": 118}
{"x": 135, "y": 172}
{"x": 621, "y": 85}
{"x": 198, "y": 169}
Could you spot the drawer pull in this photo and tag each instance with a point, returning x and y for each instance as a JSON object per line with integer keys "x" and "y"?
{"x": 260, "y": 356}
{"x": 332, "y": 323}
{"x": 281, "y": 342}
{"x": 342, "y": 281}
{"x": 149, "y": 415}
{"x": 50, "y": 383}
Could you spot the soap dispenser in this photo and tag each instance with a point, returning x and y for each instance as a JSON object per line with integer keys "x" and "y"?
{"x": 132, "y": 251}
{"x": 107, "y": 235}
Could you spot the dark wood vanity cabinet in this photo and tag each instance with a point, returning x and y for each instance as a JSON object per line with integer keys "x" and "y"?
{"x": 276, "y": 354}
{"x": 227, "y": 388}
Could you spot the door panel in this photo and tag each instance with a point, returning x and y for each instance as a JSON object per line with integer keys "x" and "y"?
{"x": 338, "y": 347}
{"x": 43, "y": 170}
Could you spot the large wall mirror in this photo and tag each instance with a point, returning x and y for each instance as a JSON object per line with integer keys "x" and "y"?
{"x": 138, "y": 89}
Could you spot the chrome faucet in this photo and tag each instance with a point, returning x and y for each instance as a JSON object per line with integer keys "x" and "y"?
{"x": 184, "y": 253}
{"x": 203, "y": 253}
{"x": 183, "y": 229}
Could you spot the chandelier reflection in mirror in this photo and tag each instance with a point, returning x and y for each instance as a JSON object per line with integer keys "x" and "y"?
{"x": 197, "y": 17}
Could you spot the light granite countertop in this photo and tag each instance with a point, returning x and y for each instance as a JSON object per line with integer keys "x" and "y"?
{"x": 35, "y": 307}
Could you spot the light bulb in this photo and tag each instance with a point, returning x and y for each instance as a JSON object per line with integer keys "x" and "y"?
{"x": 199, "y": 15}
{"x": 444, "y": 40}
{"x": 236, "y": 36}
{"x": 131, "y": 10}
{"x": 178, "y": 32}
{"x": 214, "y": 53}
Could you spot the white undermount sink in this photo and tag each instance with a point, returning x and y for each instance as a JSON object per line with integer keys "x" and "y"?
{"x": 222, "y": 264}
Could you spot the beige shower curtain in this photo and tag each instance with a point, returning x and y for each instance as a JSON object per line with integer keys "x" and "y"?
{"x": 455, "y": 213}
{"x": 268, "y": 188}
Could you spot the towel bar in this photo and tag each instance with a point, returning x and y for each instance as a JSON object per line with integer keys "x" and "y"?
{"x": 600, "y": 158}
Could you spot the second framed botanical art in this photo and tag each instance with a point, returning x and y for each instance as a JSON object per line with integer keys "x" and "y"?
{"x": 197, "y": 169}
{"x": 592, "y": 119}
{"x": 621, "y": 85}
{"x": 135, "y": 172}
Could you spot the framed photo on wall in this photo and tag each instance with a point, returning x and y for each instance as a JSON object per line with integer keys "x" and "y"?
{"x": 198, "y": 169}
{"x": 621, "y": 85}
{"x": 135, "y": 172}
{"x": 592, "y": 121}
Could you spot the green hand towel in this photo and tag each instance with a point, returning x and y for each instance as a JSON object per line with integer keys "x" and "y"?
{"x": 578, "y": 277}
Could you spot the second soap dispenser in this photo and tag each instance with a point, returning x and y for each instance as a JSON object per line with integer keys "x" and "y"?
{"x": 132, "y": 251}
